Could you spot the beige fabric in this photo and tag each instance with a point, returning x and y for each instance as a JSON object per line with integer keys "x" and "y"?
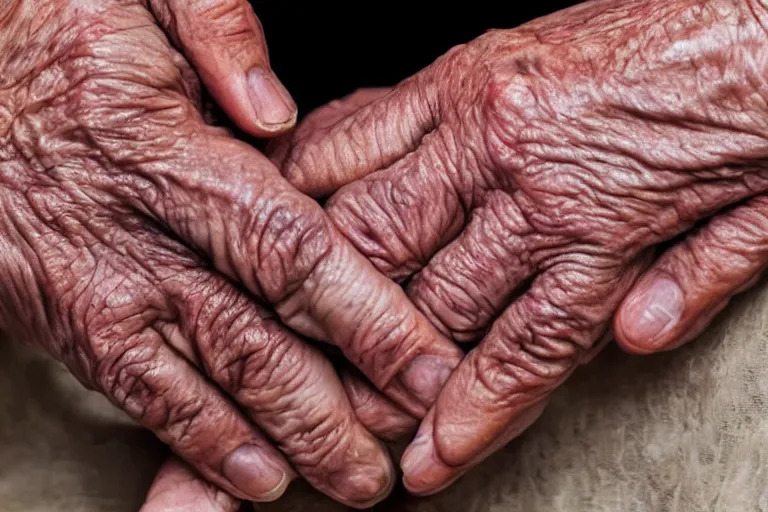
{"x": 685, "y": 431}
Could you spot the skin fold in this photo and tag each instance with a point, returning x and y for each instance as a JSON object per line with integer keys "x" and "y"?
{"x": 172, "y": 268}
{"x": 522, "y": 184}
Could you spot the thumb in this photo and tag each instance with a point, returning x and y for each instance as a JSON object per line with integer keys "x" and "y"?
{"x": 177, "y": 489}
{"x": 224, "y": 41}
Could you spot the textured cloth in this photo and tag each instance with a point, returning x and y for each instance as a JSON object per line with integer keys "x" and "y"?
{"x": 683, "y": 431}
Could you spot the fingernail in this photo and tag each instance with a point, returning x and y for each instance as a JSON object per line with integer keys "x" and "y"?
{"x": 423, "y": 471}
{"x": 418, "y": 457}
{"x": 254, "y": 474}
{"x": 656, "y": 310}
{"x": 270, "y": 99}
{"x": 425, "y": 376}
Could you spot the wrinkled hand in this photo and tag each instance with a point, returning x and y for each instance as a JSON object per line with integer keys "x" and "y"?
{"x": 523, "y": 181}
{"x": 147, "y": 250}
{"x": 695, "y": 280}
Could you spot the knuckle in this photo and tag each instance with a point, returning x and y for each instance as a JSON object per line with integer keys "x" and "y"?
{"x": 109, "y": 312}
{"x": 111, "y": 91}
{"x": 538, "y": 343}
{"x": 239, "y": 342}
{"x": 229, "y": 25}
{"x": 456, "y": 304}
{"x": 321, "y": 444}
{"x": 248, "y": 352}
{"x": 293, "y": 165}
{"x": 708, "y": 259}
{"x": 519, "y": 372}
{"x": 135, "y": 378}
{"x": 730, "y": 248}
{"x": 180, "y": 421}
{"x": 327, "y": 452}
{"x": 380, "y": 348}
{"x": 744, "y": 231}
{"x": 366, "y": 214}
{"x": 257, "y": 362}
{"x": 464, "y": 286}
{"x": 129, "y": 376}
{"x": 236, "y": 356}
{"x": 307, "y": 160}
{"x": 288, "y": 238}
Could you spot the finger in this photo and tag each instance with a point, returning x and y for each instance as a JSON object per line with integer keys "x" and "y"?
{"x": 285, "y": 249}
{"x": 164, "y": 393}
{"x": 392, "y": 222}
{"x": 287, "y": 387}
{"x": 368, "y": 139}
{"x": 106, "y": 326}
{"x": 225, "y": 43}
{"x": 440, "y": 475}
{"x": 377, "y": 413}
{"x": 228, "y": 202}
{"x": 529, "y": 351}
{"x": 321, "y": 119}
{"x": 178, "y": 489}
{"x": 694, "y": 280}
{"x": 466, "y": 284}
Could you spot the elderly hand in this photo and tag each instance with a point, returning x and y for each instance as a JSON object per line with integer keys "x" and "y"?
{"x": 147, "y": 250}
{"x": 694, "y": 280}
{"x": 523, "y": 180}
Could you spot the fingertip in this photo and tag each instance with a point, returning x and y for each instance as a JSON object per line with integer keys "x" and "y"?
{"x": 225, "y": 42}
{"x": 424, "y": 473}
{"x": 255, "y": 100}
{"x": 252, "y": 472}
{"x": 274, "y": 110}
{"x": 367, "y": 492}
{"x": 376, "y": 412}
{"x": 431, "y": 464}
{"x": 622, "y": 330}
{"x": 176, "y": 488}
{"x": 362, "y": 485}
{"x": 650, "y": 315}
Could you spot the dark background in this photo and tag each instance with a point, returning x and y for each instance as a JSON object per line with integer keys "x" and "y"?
{"x": 323, "y": 50}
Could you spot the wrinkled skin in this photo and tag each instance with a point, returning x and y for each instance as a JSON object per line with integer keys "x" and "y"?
{"x": 522, "y": 183}
{"x": 172, "y": 268}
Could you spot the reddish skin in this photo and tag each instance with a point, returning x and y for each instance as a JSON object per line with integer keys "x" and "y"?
{"x": 148, "y": 250}
{"x": 722, "y": 259}
{"x": 559, "y": 154}
{"x": 178, "y": 489}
